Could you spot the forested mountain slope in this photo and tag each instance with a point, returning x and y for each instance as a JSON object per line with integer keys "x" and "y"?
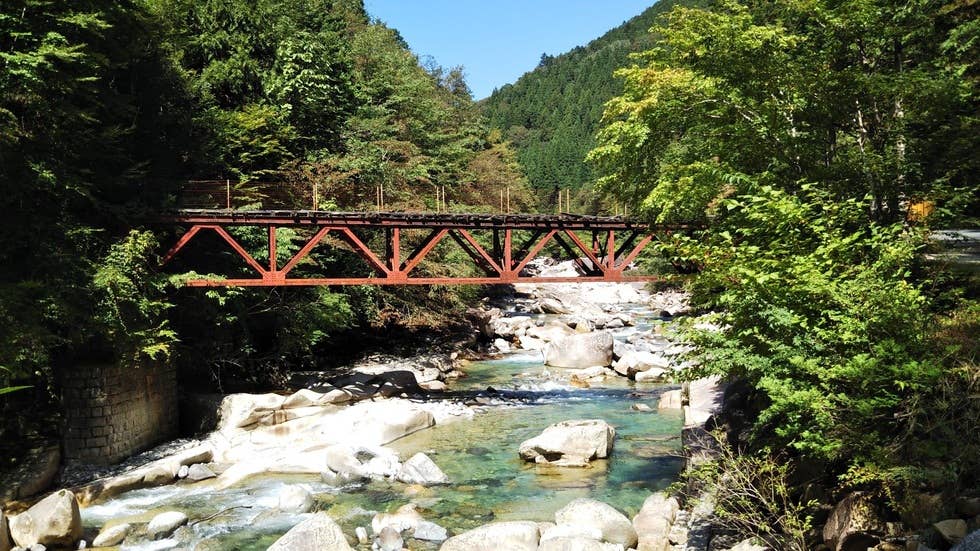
{"x": 552, "y": 113}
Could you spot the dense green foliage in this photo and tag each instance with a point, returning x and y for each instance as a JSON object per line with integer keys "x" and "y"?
{"x": 801, "y": 133}
{"x": 551, "y": 114}
{"x": 106, "y": 109}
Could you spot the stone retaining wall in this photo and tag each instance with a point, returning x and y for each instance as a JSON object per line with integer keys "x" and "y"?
{"x": 114, "y": 411}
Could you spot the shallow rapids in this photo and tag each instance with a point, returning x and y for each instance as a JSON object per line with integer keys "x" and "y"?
{"x": 489, "y": 481}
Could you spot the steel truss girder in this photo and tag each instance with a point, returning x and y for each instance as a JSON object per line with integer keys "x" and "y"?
{"x": 503, "y": 264}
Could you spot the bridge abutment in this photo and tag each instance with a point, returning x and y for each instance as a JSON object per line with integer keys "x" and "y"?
{"x": 113, "y": 411}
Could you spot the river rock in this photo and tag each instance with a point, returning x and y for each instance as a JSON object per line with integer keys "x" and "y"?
{"x": 351, "y": 462}
{"x": 553, "y": 306}
{"x": 429, "y": 531}
{"x": 854, "y": 523}
{"x": 580, "y": 350}
{"x": 198, "y": 472}
{"x": 615, "y": 527}
{"x": 570, "y": 443}
{"x": 577, "y": 544}
{"x": 419, "y": 469}
{"x": 53, "y": 521}
{"x": 434, "y": 386}
{"x": 952, "y": 530}
{"x": 502, "y": 345}
{"x": 551, "y": 332}
{"x": 404, "y": 518}
{"x": 317, "y": 533}
{"x": 112, "y": 536}
{"x": 295, "y": 499}
{"x": 653, "y": 522}
{"x": 243, "y": 410}
{"x": 389, "y": 540}
{"x": 652, "y": 375}
{"x": 496, "y": 536}
{"x": 531, "y": 343}
{"x": 511, "y": 327}
{"x": 164, "y": 524}
{"x": 362, "y": 536}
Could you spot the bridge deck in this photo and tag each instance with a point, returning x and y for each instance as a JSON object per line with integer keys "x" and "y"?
{"x": 404, "y": 220}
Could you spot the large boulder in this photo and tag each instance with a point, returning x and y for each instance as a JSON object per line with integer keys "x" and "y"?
{"x": 54, "y": 522}
{"x": 317, "y": 533}
{"x": 419, "y": 469}
{"x": 392, "y": 419}
{"x": 242, "y": 410}
{"x": 855, "y": 523}
{"x": 653, "y": 522}
{"x": 580, "y": 350}
{"x": 496, "y": 536}
{"x": 704, "y": 397}
{"x": 613, "y": 525}
{"x": 551, "y": 332}
{"x": 570, "y": 443}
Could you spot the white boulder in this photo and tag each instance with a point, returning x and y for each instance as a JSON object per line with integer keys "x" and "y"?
{"x": 164, "y": 524}
{"x": 112, "y": 535}
{"x": 613, "y": 525}
{"x": 419, "y": 469}
{"x": 580, "y": 350}
{"x": 53, "y": 521}
{"x": 295, "y": 499}
{"x": 570, "y": 443}
{"x": 317, "y": 533}
{"x": 496, "y": 536}
{"x": 653, "y": 522}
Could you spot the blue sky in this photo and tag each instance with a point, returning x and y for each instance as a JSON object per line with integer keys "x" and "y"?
{"x": 497, "y": 41}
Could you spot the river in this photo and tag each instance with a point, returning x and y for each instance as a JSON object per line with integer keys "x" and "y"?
{"x": 489, "y": 480}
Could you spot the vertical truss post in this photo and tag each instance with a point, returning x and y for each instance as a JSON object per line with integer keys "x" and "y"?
{"x": 507, "y": 264}
{"x": 393, "y": 245}
{"x": 611, "y": 252}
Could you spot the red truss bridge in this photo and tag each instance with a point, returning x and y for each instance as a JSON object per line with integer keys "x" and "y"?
{"x": 500, "y": 245}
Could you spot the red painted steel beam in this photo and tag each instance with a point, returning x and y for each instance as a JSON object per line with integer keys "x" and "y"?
{"x": 412, "y": 281}
{"x": 479, "y": 249}
{"x": 303, "y": 252}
